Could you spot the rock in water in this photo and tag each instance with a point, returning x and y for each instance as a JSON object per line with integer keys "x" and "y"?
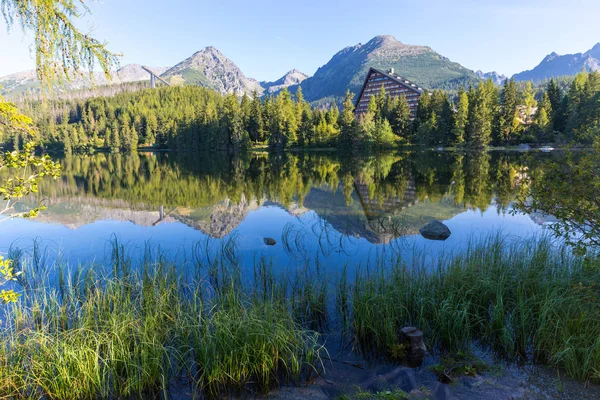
{"x": 406, "y": 380}
{"x": 435, "y": 231}
{"x": 416, "y": 348}
{"x": 269, "y": 241}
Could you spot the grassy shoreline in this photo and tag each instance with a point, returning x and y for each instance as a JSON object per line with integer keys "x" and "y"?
{"x": 148, "y": 330}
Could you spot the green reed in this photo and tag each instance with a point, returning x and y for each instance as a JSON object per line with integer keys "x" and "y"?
{"x": 526, "y": 299}
{"x": 129, "y": 331}
{"x": 137, "y": 333}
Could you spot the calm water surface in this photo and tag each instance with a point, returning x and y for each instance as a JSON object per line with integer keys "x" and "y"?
{"x": 315, "y": 205}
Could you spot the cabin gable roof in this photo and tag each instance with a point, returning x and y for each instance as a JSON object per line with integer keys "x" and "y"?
{"x": 395, "y": 77}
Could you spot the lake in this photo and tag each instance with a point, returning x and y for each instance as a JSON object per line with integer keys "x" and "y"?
{"x": 356, "y": 271}
{"x": 317, "y": 205}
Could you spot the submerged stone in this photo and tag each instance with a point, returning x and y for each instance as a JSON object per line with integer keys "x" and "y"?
{"x": 379, "y": 384}
{"x": 435, "y": 230}
{"x": 416, "y": 347}
{"x": 406, "y": 380}
{"x": 270, "y": 241}
{"x": 442, "y": 392}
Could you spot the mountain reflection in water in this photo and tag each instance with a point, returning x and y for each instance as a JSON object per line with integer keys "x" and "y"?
{"x": 303, "y": 199}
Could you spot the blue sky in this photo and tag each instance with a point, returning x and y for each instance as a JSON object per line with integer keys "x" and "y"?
{"x": 266, "y": 38}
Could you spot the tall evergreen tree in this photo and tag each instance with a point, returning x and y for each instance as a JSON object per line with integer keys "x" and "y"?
{"x": 542, "y": 117}
{"x": 479, "y": 126}
{"x": 508, "y": 116}
{"x": 461, "y": 117}
{"x": 347, "y": 122}
{"x": 255, "y": 125}
{"x": 529, "y": 102}
{"x": 400, "y": 120}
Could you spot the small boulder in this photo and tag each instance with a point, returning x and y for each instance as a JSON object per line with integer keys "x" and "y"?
{"x": 442, "y": 392}
{"x": 416, "y": 347}
{"x": 406, "y": 380}
{"x": 379, "y": 384}
{"x": 270, "y": 241}
{"x": 435, "y": 231}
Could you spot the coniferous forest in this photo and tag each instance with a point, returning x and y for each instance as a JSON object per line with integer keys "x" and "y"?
{"x": 194, "y": 119}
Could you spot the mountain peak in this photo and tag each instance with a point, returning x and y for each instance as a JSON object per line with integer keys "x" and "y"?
{"x": 208, "y": 50}
{"x": 210, "y": 68}
{"x": 594, "y": 51}
{"x": 550, "y": 57}
{"x": 384, "y": 38}
{"x": 291, "y": 78}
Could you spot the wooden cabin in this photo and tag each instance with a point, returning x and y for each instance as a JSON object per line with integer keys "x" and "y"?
{"x": 394, "y": 85}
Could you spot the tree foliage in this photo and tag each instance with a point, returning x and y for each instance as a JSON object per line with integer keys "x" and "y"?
{"x": 570, "y": 192}
{"x": 60, "y": 50}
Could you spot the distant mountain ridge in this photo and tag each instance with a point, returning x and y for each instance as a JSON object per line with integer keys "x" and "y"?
{"x": 346, "y": 70}
{"x": 21, "y": 82}
{"x": 497, "y": 78}
{"x": 554, "y": 65}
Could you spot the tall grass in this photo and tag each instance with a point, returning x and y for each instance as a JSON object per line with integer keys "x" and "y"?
{"x": 526, "y": 299}
{"x": 139, "y": 333}
{"x": 144, "y": 331}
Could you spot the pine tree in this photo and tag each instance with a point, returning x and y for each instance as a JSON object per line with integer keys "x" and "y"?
{"x": 400, "y": 120}
{"x": 382, "y": 135}
{"x": 423, "y": 111}
{"x": 233, "y": 123}
{"x": 479, "y": 126}
{"x": 367, "y": 123}
{"x": 461, "y": 117}
{"x": 151, "y": 127}
{"x": 508, "y": 117}
{"x": 115, "y": 138}
{"x": 255, "y": 125}
{"x": 528, "y": 101}
{"x": 134, "y": 139}
{"x": 332, "y": 115}
{"x": 542, "y": 119}
{"x": 126, "y": 142}
{"x": 67, "y": 140}
{"x": 347, "y": 122}
{"x": 108, "y": 138}
{"x": 380, "y": 101}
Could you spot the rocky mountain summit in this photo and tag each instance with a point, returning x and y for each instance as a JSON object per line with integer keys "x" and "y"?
{"x": 210, "y": 68}
{"x": 497, "y": 78}
{"x": 293, "y": 77}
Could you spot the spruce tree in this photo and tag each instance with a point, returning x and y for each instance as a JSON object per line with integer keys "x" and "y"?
{"x": 423, "y": 111}
{"x": 508, "y": 116}
{"x": 461, "y": 118}
{"x": 528, "y": 101}
{"x": 255, "y": 120}
{"x": 400, "y": 120}
{"x": 347, "y": 122}
{"x": 542, "y": 117}
{"x": 479, "y": 126}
